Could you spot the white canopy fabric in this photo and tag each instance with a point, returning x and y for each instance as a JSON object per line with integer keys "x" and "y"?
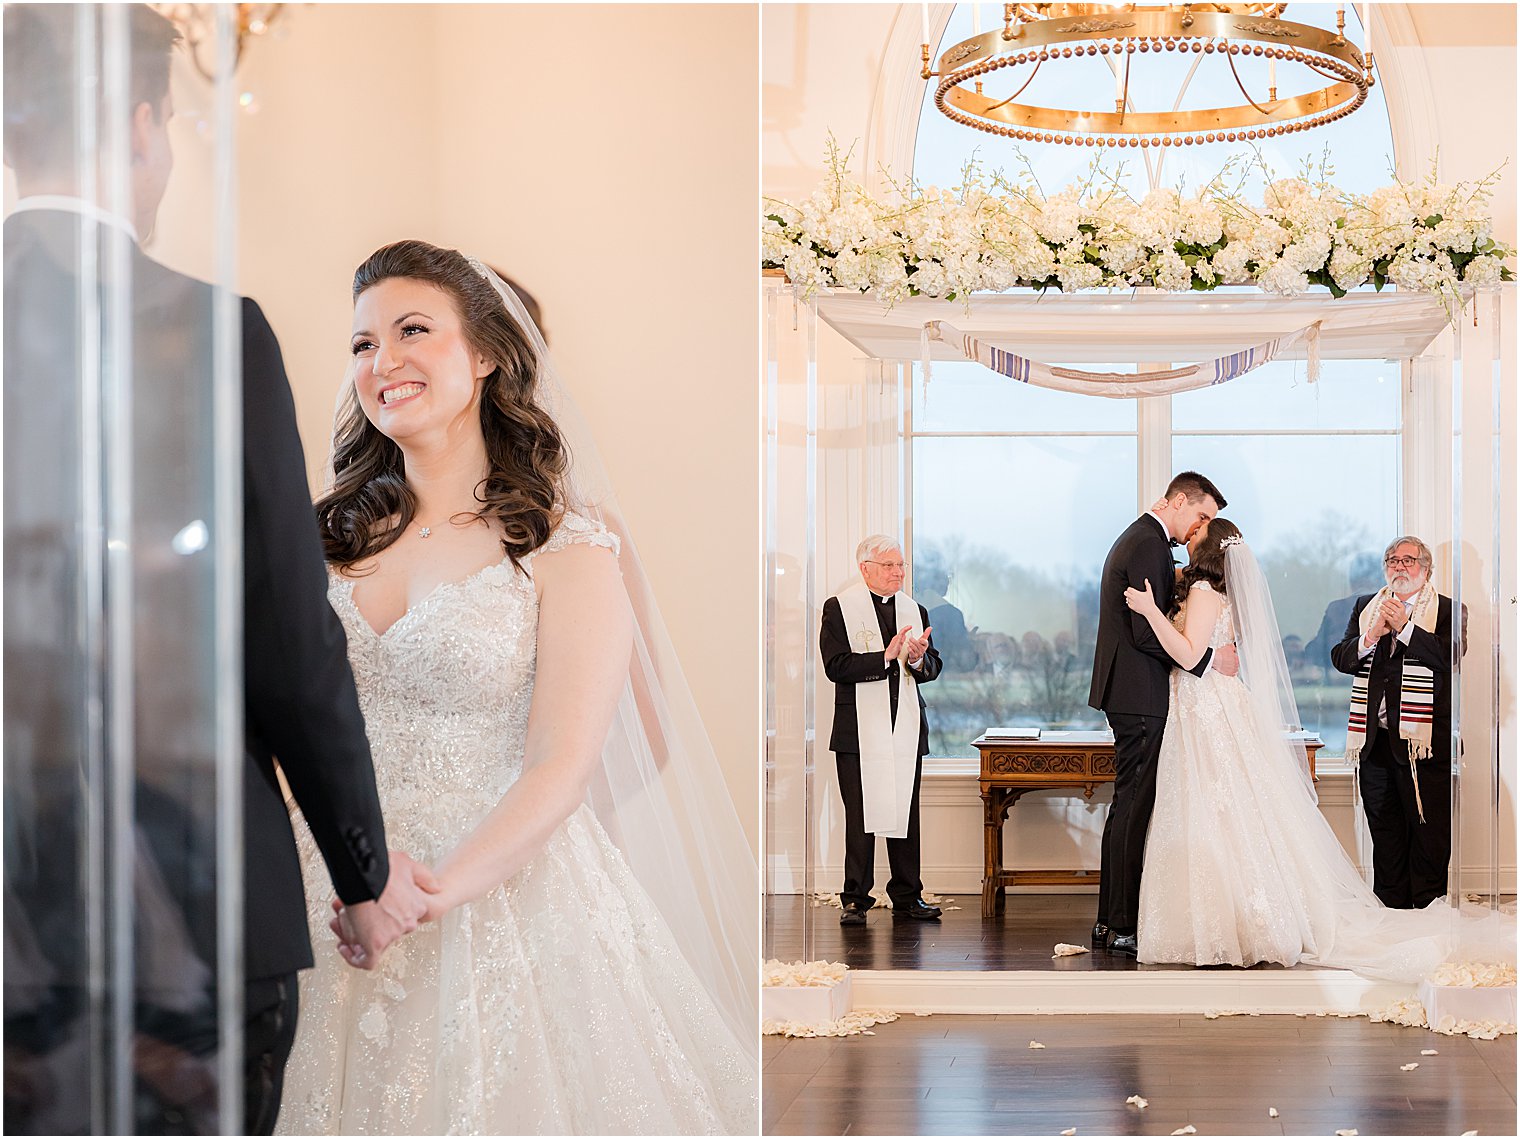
{"x": 1139, "y": 327}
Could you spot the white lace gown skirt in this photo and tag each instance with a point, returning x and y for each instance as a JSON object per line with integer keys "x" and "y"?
{"x": 556, "y": 1004}
{"x": 1223, "y": 882}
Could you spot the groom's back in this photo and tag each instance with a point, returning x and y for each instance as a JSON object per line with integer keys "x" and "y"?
{"x": 1125, "y": 677}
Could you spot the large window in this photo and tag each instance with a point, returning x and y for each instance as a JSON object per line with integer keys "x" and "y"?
{"x": 1017, "y": 493}
{"x": 1313, "y": 475}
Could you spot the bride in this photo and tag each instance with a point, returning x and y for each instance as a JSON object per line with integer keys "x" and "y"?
{"x": 1240, "y": 865}
{"x": 573, "y": 974}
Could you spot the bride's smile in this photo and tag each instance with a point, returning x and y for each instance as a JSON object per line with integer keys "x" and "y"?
{"x": 414, "y": 369}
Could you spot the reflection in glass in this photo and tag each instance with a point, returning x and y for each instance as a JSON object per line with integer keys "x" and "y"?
{"x": 119, "y": 571}
{"x": 1009, "y": 536}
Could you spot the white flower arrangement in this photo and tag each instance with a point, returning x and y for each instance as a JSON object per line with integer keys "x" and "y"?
{"x": 990, "y": 234}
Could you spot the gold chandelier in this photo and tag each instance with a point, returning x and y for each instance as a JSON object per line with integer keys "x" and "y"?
{"x": 197, "y": 23}
{"x": 1040, "y": 34}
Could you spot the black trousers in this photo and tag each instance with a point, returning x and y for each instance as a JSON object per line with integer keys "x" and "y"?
{"x": 905, "y": 885}
{"x": 1409, "y": 858}
{"x": 269, "y": 1031}
{"x": 1137, "y": 745}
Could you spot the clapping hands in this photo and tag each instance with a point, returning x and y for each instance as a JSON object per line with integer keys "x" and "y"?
{"x": 367, "y": 929}
{"x": 1391, "y": 618}
{"x": 918, "y": 646}
{"x": 915, "y": 647}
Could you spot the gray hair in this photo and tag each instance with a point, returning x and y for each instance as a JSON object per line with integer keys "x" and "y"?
{"x": 1426, "y": 558}
{"x": 876, "y": 544}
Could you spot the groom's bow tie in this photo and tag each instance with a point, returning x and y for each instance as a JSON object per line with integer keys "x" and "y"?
{"x": 1175, "y": 543}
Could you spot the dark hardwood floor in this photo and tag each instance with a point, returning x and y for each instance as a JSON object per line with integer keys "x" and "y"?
{"x": 1023, "y": 937}
{"x": 976, "y": 1075}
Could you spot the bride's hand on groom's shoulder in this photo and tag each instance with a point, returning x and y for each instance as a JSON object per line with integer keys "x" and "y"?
{"x": 1141, "y": 600}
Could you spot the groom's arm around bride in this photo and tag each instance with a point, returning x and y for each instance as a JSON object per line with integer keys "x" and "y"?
{"x": 1131, "y": 686}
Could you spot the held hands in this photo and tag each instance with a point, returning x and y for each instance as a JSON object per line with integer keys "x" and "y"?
{"x": 365, "y": 930}
{"x": 1142, "y": 601}
{"x": 1226, "y": 660}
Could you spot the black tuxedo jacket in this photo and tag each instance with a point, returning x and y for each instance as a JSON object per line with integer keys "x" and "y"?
{"x": 301, "y": 705}
{"x": 846, "y": 669}
{"x": 1131, "y": 671}
{"x": 1433, "y": 650}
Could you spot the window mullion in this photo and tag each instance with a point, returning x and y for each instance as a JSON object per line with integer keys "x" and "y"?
{"x": 1153, "y": 448}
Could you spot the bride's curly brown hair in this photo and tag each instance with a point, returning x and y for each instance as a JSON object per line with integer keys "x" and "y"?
{"x": 369, "y": 504}
{"x": 1208, "y": 563}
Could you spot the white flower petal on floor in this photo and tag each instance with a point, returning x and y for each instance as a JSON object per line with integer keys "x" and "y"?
{"x": 1190, "y": 1130}
{"x": 1429, "y": 1052}
{"x": 1065, "y": 950}
{"x": 851, "y": 1024}
{"x": 1035, "y": 1044}
{"x": 1139, "y": 1101}
{"x": 1348, "y": 1131}
{"x": 1272, "y": 1112}
{"x": 1408, "y": 1067}
{"x": 1069, "y": 1131}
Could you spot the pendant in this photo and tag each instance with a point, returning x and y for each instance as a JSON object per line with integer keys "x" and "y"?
{"x": 426, "y": 531}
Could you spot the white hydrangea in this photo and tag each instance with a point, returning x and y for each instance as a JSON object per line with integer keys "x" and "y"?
{"x": 1483, "y": 271}
{"x": 1171, "y": 272}
{"x": 1282, "y": 277}
{"x": 1201, "y": 224}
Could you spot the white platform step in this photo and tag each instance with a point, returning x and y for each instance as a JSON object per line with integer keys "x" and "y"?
{"x": 1279, "y": 991}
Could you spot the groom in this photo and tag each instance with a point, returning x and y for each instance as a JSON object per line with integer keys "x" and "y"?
{"x": 1130, "y": 684}
{"x": 300, "y": 701}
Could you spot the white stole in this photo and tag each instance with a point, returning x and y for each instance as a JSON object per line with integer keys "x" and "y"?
{"x": 888, "y": 751}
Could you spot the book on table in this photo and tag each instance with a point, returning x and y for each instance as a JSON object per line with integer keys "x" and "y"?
{"x": 1012, "y": 733}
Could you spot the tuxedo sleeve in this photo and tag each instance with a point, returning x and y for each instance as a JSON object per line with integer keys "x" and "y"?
{"x": 841, "y": 665}
{"x": 928, "y": 668}
{"x": 301, "y": 701}
{"x": 1346, "y": 656}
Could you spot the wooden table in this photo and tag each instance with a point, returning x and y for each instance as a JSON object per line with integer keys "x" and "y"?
{"x": 1057, "y": 761}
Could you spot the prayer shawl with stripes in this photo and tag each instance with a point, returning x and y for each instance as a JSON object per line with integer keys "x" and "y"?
{"x": 1415, "y": 694}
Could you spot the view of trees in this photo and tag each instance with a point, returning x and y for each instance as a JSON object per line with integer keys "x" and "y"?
{"x": 1018, "y": 640}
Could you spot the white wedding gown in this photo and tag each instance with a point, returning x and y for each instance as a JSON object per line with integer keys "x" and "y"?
{"x": 1240, "y": 865}
{"x": 558, "y": 1003}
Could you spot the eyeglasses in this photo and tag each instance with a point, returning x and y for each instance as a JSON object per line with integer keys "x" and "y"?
{"x": 1401, "y": 563}
{"x": 888, "y": 565}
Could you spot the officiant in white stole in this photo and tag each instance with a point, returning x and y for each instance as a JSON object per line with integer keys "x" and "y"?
{"x": 875, "y": 643}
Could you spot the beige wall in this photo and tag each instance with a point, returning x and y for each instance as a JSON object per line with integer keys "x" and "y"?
{"x": 604, "y": 156}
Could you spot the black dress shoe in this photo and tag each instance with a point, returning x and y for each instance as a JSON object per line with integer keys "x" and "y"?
{"x": 1099, "y": 935}
{"x": 853, "y": 914}
{"x": 1124, "y": 945}
{"x": 919, "y": 909}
